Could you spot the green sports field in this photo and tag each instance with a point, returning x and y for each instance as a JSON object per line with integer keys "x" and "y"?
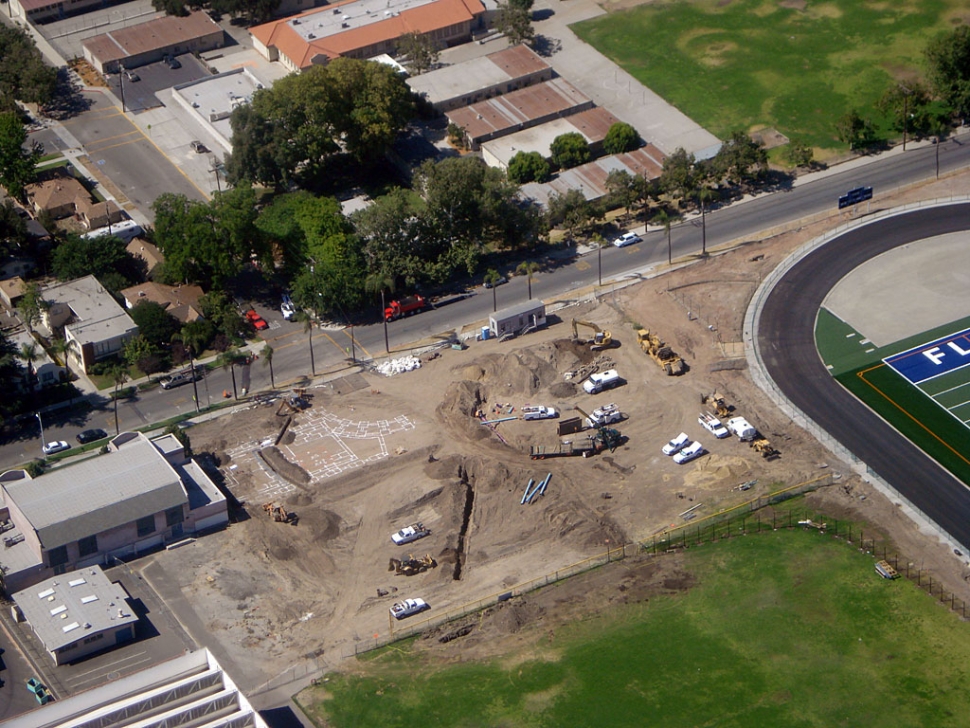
{"x": 782, "y": 628}
{"x": 796, "y": 66}
{"x": 932, "y": 415}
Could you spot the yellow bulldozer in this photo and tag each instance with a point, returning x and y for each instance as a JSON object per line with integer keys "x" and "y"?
{"x": 717, "y": 404}
{"x": 278, "y": 513}
{"x": 601, "y": 339}
{"x": 763, "y": 445}
{"x": 654, "y": 347}
{"x": 411, "y": 566}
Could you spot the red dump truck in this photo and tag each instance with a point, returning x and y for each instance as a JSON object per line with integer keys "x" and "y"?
{"x": 404, "y": 307}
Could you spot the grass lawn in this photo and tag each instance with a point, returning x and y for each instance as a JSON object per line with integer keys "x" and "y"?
{"x": 794, "y": 66}
{"x": 783, "y": 628}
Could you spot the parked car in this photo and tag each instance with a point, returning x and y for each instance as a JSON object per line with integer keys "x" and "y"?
{"x": 677, "y": 444}
{"x": 56, "y": 446}
{"x": 288, "y": 308}
{"x": 500, "y": 281}
{"x": 132, "y": 76}
{"x": 91, "y": 436}
{"x": 258, "y": 322}
{"x": 408, "y": 607}
{"x": 627, "y": 239}
{"x": 689, "y": 453}
{"x": 186, "y": 376}
{"x": 198, "y": 147}
{"x": 173, "y": 62}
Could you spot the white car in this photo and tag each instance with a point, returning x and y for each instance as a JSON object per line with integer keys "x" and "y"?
{"x": 408, "y": 607}
{"x": 677, "y": 444}
{"x": 410, "y": 533}
{"x": 56, "y": 446}
{"x": 627, "y": 239}
{"x": 689, "y": 453}
{"x": 537, "y": 412}
{"x": 288, "y": 308}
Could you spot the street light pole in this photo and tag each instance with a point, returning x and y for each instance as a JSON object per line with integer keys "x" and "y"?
{"x": 387, "y": 345}
{"x": 43, "y": 442}
{"x": 599, "y": 260}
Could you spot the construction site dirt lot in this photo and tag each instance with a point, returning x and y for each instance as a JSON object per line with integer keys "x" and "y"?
{"x": 373, "y": 454}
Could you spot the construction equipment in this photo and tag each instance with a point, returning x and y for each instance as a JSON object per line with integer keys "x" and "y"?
{"x": 605, "y": 415}
{"x": 293, "y": 403}
{"x": 601, "y": 339}
{"x": 609, "y": 437}
{"x": 763, "y": 446}
{"x": 717, "y": 403}
{"x": 411, "y": 566}
{"x": 605, "y": 438}
{"x": 279, "y": 514}
{"x": 654, "y": 347}
{"x": 404, "y": 307}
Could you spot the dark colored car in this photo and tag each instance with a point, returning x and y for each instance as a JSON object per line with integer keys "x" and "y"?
{"x": 173, "y": 62}
{"x": 91, "y": 436}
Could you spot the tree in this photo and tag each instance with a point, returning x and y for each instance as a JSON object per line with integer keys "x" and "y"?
{"x": 854, "y": 130}
{"x": 514, "y": 21}
{"x": 948, "y": 66}
{"x": 907, "y": 106}
{"x": 18, "y": 165}
{"x": 456, "y": 135}
{"x": 106, "y": 258}
{"x": 798, "y": 154}
{"x": 119, "y": 375}
{"x": 25, "y": 76}
{"x": 63, "y": 349}
{"x": 492, "y": 277}
{"x": 13, "y": 229}
{"x": 267, "y": 356}
{"x": 665, "y": 218}
{"x": 740, "y": 159}
{"x": 171, "y": 7}
{"x": 32, "y": 306}
{"x": 704, "y": 195}
{"x": 11, "y": 374}
{"x": 528, "y": 167}
{"x": 571, "y": 211}
{"x": 620, "y": 138}
{"x": 140, "y": 353}
{"x": 622, "y": 189}
{"x": 420, "y": 51}
{"x": 220, "y": 310}
{"x": 28, "y": 354}
{"x": 196, "y": 335}
{"x": 378, "y": 283}
{"x": 527, "y": 268}
{"x": 154, "y": 323}
{"x": 182, "y": 436}
{"x": 393, "y": 244}
{"x": 569, "y": 150}
{"x": 228, "y": 360}
{"x": 679, "y": 177}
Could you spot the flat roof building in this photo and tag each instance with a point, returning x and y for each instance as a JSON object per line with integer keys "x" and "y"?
{"x": 76, "y": 614}
{"x": 593, "y": 124}
{"x": 148, "y": 42}
{"x": 190, "y": 690}
{"x": 139, "y": 495}
{"x": 481, "y": 78}
{"x": 364, "y": 29}
{"x": 590, "y": 178}
{"x": 518, "y": 110}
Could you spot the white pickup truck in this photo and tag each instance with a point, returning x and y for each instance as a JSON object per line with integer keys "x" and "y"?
{"x": 410, "y": 533}
{"x": 408, "y": 607}
{"x": 713, "y": 425}
{"x": 537, "y": 412}
{"x": 605, "y": 415}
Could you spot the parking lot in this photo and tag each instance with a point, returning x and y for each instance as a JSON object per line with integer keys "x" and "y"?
{"x": 143, "y": 94}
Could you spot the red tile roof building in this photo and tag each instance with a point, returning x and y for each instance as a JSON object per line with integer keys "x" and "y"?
{"x": 364, "y": 29}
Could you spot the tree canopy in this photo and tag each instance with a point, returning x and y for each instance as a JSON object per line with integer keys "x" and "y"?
{"x": 948, "y": 66}
{"x": 569, "y": 150}
{"x": 23, "y": 74}
{"x": 420, "y": 51}
{"x": 620, "y": 138}
{"x": 154, "y": 323}
{"x": 18, "y": 165}
{"x": 106, "y": 258}
{"x": 295, "y": 128}
{"x": 528, "y": 167}
{"x": 252, "y": 11}
{"x": 514, "y": 21}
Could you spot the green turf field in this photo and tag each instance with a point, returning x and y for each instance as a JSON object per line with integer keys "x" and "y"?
{"x": 931, "y": 424}
{"x": 783, "y": 628}
{"x": 794, "y": 66}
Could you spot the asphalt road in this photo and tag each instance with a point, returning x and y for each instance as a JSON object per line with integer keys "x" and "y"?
{"x": 786, "y": 340}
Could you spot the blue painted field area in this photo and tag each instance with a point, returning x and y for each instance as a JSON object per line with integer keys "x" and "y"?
{"x": 927, "y": 361}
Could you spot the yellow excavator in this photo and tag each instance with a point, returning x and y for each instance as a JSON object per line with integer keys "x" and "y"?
{"x": 601, "y": 339}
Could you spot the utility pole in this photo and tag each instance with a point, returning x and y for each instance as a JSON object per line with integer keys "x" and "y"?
{"x": 43, "y": 442}
{"x": 387, "y": 345}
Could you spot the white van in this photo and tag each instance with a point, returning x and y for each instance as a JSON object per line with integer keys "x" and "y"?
{"x": 126, "y": 230}
{"x": 601, "y": 380}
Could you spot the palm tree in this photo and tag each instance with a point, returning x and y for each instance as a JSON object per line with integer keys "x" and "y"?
{"x": 28, "y": 355}
{"x": 229, "y": 358}
{"x": 492, "y": 277}
{"x": 665, "y": 218}
{"x": 267, "y": 354}
{"x": 599, "y": 241}
{"x": 308, "y": 330}
{"x": 190, "y": 340}
{"x": 380, "y": 282}
{"x": 63, "y": 348}
{"x": 704, "y": 194}
{"x": 527, "y": 268}
{"x": 119, "y": 373}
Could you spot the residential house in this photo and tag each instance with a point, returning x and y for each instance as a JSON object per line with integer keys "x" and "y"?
{"x": 181, "y": 301}
{"x": 92, "y": 321}
{"x": 143, "y": 250}
{"x": 63, "y": 196}
{"x": 44, "y": 371}
{"x": 11, "y": 291}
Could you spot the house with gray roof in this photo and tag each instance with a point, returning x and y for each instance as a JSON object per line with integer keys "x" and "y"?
{"x": 139, "y": 495}
{"x": 76, "y": 614}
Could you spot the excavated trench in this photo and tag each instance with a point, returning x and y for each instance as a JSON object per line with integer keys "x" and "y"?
{"x": 465, "y": 520}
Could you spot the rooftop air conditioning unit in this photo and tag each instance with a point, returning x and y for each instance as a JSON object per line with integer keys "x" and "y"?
{"x": 311, "y": 36}
{"x": 296, "y": 21}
